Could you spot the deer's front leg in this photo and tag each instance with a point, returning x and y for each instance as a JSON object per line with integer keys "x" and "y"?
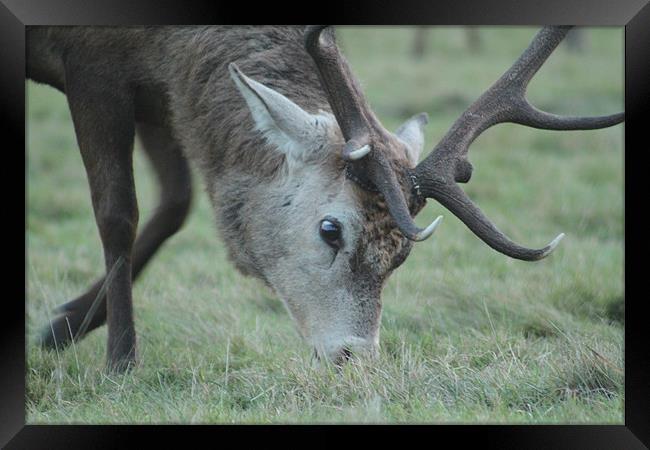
{"x": 102, "y": 112}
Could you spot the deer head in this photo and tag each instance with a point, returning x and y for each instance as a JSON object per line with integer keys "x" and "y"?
{"x": 342, "y": 211}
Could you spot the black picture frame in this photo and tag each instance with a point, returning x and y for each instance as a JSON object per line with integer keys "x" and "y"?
{"x": 634, "y": 15}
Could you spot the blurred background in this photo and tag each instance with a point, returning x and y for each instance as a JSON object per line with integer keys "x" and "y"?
{"x": 480, "y": 337}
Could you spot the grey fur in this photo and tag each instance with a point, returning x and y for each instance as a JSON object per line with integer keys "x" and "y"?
{"x": 268, "y": 204}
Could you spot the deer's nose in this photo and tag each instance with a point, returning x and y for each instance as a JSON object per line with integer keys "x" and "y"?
{"x": 341, "y": 356}
{"x": 359, "y": 348}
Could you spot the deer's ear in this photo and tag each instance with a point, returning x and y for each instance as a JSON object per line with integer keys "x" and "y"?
{"x": 411, "y": 133}
{"x": 286, "y": 125}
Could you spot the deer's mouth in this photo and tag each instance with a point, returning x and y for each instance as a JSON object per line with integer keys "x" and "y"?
{"x": 349, "y": 349}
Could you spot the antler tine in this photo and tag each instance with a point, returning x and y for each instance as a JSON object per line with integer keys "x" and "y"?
{"x": 504, "y": 101}
{"x": 533, "y": 117}
{"x": 452, "y": 197}
{"x": 517, "y": 78}
{"x": 352, "y": 112}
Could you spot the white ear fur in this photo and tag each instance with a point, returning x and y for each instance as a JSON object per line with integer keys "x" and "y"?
{"x": 286, "y": 125}
{"x": 411, "y": 133}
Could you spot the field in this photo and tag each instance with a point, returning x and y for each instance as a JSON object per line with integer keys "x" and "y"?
{"x": 468, "y": 335}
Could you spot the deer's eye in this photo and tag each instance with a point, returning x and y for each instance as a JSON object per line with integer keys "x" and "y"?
{"x": 330, "y": 232}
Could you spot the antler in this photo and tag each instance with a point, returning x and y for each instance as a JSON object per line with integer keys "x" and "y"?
{"x": 436, "y": 176}
{"x": 348, "y": 103}
{"x": 505, "y": 101}
{"x": 366, "y": 139}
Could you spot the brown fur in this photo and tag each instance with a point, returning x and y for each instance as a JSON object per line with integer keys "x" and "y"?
{"x": 179, "y": 82}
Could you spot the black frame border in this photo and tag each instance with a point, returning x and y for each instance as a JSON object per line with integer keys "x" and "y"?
{"x": 633, "y": 14}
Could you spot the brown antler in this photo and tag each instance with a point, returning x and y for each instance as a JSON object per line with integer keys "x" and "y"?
{"x": 348, "y": 103}
{"x": 367, "y": 141}
{"x": 505, "y": 101}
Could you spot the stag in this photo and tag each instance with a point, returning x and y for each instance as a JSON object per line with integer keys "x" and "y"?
{"x": 312, "y": 194}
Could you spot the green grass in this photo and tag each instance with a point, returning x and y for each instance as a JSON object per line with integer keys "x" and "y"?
{"x": 468, "y": 335}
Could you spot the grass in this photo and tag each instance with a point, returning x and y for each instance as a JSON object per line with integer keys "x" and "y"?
{"x": 467, "y": 334}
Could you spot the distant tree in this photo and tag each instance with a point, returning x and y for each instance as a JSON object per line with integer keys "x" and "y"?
{"x": 419, "y": 42}
{"x": 473, "y": 39}
{"x": 576, "y": 40}
{"x": 419, "y": 46}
